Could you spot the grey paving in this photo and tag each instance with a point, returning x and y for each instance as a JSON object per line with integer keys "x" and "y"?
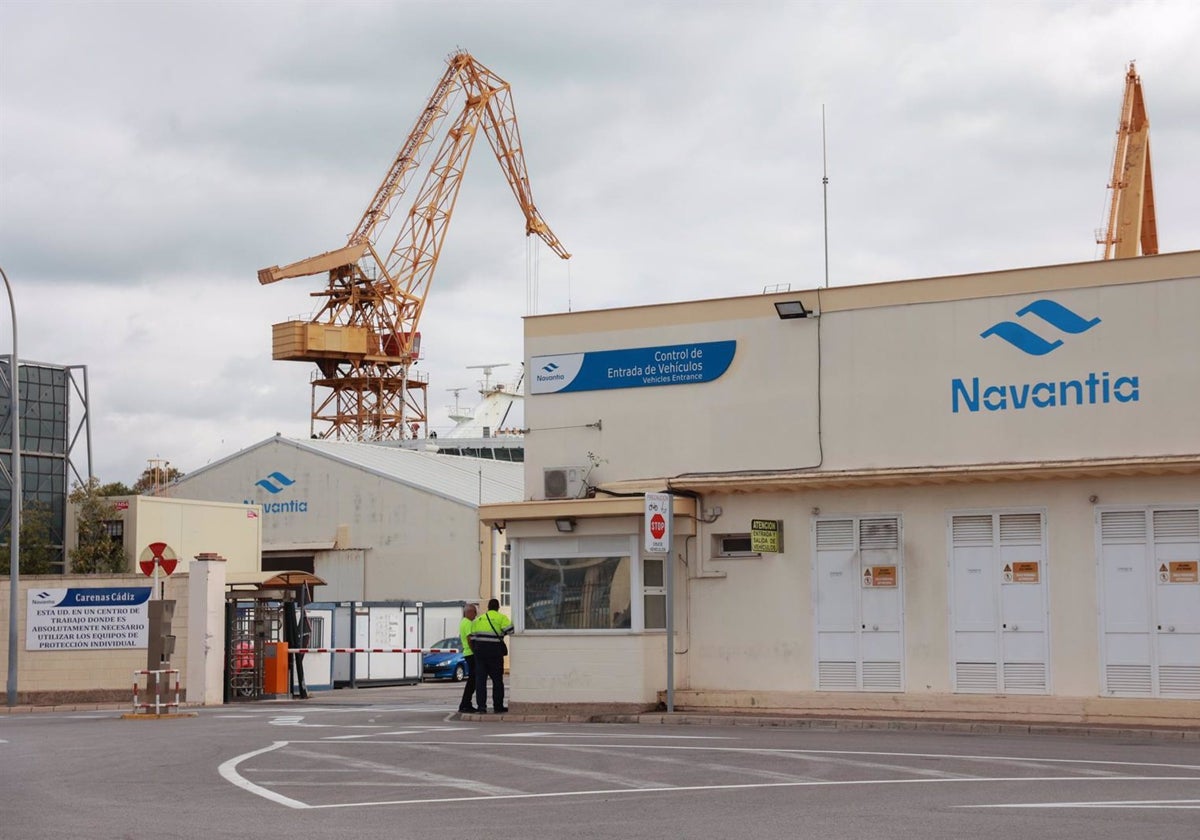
{"x": 400, "y": 763}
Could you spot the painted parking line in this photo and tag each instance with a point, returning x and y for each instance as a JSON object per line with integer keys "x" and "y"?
{"x": 426, "y": 777}
{"x": 298, "y": 720}
{"x": 731, "y": 787}
{"x": 606, "y": 736}
{"x": 407, "y": 777}
{"x": 415, "y": 730}
{"x": 229, "y": 772}
{"x": 1185, "y": 804}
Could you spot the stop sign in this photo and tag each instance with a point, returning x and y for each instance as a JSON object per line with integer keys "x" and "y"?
{"x": 657, "y": 523}
{"x": 658, "y": 526}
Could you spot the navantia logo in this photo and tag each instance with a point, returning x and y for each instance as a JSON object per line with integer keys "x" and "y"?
{"x": 275, "y": 482}
{"x": 1093, "y": 388}
{"x": 550, "y": 368}
{"x": 1052, "y": 313}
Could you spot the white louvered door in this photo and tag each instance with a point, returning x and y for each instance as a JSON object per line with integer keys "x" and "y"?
{"x": 998, "y": 603}
{"x": 1151, "y": 602}
{"x": 858, "y": 604}
{"x": 1126, "y": 611}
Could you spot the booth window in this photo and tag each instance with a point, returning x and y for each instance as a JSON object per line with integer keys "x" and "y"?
{"x": 577, "y": 593}
{"x": 506, "y": 576}
{"x": 654, "y": 594}
{"x": 728, "y": 546}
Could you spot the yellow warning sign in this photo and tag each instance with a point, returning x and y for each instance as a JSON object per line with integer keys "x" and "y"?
{"x": 766, "y": 535}
{"x": 1182, "y": 571}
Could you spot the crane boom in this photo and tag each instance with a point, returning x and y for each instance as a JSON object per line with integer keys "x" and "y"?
{"x": 1131, "y": 218}
{"x": 364, "y": 338}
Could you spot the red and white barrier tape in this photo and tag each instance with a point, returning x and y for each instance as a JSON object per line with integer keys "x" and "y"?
{"x": 373, "y": 650}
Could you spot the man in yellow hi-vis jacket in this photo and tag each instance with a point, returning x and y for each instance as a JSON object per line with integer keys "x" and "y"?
{"x": 487, "y": 640}
{"x": 465, "y": 627}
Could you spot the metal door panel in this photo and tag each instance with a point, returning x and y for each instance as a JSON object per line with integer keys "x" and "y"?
{"x": 1126, "y": 581}
{"x": 837, "y": 582}
{"x": 975, "y": 608}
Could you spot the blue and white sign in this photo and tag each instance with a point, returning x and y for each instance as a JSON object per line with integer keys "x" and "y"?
{"x": 636, "y": 367}
{"x": 87, "y": 619}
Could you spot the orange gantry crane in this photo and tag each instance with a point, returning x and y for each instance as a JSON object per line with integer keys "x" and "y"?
{"x": 364, "y": 338}
{"x": 1131, "y": 220}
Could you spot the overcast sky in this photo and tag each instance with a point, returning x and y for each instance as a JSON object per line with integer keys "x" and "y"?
{"x": 155, "y": 155}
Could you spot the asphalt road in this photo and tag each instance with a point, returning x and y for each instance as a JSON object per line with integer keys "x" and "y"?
{"x": 394, "y": 763}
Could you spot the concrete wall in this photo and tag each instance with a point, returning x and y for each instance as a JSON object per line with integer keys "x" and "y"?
{"x": 57, "y": 676}
{"x": 582, "y": 669}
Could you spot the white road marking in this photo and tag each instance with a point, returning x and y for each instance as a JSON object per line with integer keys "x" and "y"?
{"x": 749, "y": 786}
{"x": 229, "y": 773}
{"x": 305, "y": 770}
{"x": 595, "y": 775}
{"x": 416, "y": 730}
{"x": 408, "y": 772}
{"x": 610, "y": 735}
{"x": 489, "y": 793}
{"x": 781, "y": 751}
{"x": 297, "y": 720}
{"x": 880, "y": 765}
{"x": 1186, "y": 804}
{"x": 691, "y": 763}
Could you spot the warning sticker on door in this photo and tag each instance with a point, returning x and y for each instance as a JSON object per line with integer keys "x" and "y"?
{"x": 1026, "y": 572}
{"x": 1179, "y": 571}
{"x": 876, "y": 576}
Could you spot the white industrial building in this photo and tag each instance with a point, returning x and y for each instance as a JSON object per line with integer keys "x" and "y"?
{"x": 375, "y": 523}
{"x": 972, "y": 496}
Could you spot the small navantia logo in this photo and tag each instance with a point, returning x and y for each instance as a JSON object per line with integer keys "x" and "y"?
{"x": 1054, "y": 314}
{"x": 43, "y": 597}
{"x": 275, "y": 482}
{"x": 550, "y": 368}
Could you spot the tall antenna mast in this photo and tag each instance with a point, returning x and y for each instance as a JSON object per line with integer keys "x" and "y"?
{"x": 825, "y": 194}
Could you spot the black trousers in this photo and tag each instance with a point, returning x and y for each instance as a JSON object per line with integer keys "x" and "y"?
{"x": 489, "y": 656}
{"x": 469, "y": 688}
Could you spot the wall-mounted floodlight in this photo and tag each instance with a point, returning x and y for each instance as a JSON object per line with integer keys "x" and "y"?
{"x": 565, "y": 525}
{"x": 791, "y": 309}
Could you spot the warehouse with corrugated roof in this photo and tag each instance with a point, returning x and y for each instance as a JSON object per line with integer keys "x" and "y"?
{"x": 374, "y": 522}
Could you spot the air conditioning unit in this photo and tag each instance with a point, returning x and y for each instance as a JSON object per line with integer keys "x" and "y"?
{"x": 563, "y": 482}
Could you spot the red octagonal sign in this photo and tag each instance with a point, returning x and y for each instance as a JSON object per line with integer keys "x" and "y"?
{"x": 658, "y": 526}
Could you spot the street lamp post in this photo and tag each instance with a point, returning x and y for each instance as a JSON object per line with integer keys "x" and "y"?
{"x": 14, "y": 555}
